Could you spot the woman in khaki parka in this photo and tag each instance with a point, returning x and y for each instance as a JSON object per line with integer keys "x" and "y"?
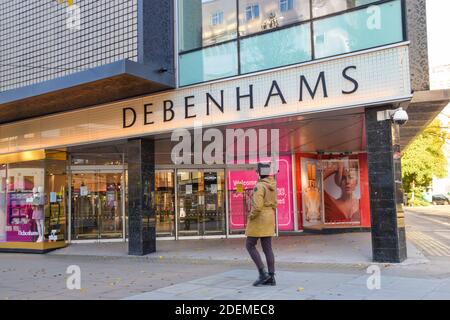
{"x": 261, "y": 224}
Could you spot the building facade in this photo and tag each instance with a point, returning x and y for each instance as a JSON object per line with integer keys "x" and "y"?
{"x": 440, "y": 79}
{"x": 136, "y": 120}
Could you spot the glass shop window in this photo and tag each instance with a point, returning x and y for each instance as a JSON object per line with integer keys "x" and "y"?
{"x": 32, "y": 201}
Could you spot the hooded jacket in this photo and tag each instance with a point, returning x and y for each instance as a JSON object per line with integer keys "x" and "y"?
{"x": 261, "y": 221}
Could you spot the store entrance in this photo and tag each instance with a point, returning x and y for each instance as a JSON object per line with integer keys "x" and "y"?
{"x": 165, "y": 203}
{"x": 201, "y": 202}
{"x": 97, "y": 204}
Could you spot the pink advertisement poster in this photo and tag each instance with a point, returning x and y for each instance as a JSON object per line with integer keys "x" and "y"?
{"x": 240, "y": 186}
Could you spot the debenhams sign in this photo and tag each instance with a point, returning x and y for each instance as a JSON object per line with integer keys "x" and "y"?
{"x": 236, "y": 99}
{"x": 361, "y": 79}
{"x": 334, "y": 84}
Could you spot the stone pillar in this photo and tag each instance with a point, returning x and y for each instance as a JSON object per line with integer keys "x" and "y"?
{"x": 386, "y": 191}
{"x": 141, "y": 188}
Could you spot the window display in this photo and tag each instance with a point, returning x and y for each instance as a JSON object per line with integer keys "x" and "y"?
{"x": 32, "y": 206}
{"x": 312, "y": 193}
{"x": 341, "y": 191}
{"x": 331, "y": 191}
{"x": 25, "y": 202}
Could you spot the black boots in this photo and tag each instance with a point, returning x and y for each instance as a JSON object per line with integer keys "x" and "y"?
{"x": 266, "y": 279}
{"x": 263, "y": 278}
{"x": 271, "y": 281}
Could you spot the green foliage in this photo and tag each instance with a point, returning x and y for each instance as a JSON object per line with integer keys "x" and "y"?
{"x": 424, "y": 158}
{"x": 419, "y": 201}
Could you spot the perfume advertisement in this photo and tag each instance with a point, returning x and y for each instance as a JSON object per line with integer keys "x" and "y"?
{"x": 341, "y": 189}
{"x": 311, "y": 193}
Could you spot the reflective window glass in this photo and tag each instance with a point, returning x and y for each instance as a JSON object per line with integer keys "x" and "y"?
{"x": 217, "y": 18}
{"x": 270, "y": 14}
{"x": 358, "y": 30}
{"x": 208, "y": 64}
{"x": 252, "y": 12}
{"x": 274, "y": 49}
{"x": 325, "y": 7}
{"x": 286, "y": 5}
{"x": 206, "y": 22}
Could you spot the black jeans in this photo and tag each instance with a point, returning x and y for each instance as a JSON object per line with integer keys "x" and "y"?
{"x": 266, "y": 244}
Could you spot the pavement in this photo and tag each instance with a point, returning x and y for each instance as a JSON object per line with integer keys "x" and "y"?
{"x": 234, "y": 285}
{"x": 342, "y": 249}
{"x": 309, "y": 267}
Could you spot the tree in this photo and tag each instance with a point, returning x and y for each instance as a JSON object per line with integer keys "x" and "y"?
{"x": 424, "y": 159}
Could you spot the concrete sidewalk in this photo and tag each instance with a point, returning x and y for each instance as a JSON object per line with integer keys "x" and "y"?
{"x": 236, "y": 285}
{"x": 343, "y": 249}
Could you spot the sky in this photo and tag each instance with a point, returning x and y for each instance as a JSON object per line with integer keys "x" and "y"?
{"x": 438, "y": 32}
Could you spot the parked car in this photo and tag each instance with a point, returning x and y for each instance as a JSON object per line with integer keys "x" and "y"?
{"x": 440, "y": 199}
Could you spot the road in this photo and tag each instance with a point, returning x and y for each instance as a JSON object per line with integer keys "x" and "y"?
{"x": 429, "y": 229}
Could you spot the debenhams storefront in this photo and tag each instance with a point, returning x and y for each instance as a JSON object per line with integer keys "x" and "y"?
{"x": 180, "y": 163}
{"x": 187, "y": 156}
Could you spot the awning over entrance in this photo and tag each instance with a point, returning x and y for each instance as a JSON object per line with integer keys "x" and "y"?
{"x": 424, "y": 108}
{"x": 116, "y": 81}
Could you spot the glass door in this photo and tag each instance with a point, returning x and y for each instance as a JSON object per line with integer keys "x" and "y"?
{"x": 110, "y": 213}
{"x": 189, "y": 202}
{"x": 213, "y": 217}
{"x": 201, "y": 203}
{"x": 97, "y": 205}
{"x": 165, "y": 203}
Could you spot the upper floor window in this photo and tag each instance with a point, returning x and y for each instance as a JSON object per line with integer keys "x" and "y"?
{"x": 325, "y": 7}
{"x": 224, "y": 38}
{"x": 217, "y": 18}
{"x": 270, "y": 14}
{"x": 286, "y": 5}
{"x": 252, "y": 12}
{"x": 206, "y": 22}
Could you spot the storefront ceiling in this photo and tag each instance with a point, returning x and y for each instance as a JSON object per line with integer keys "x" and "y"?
{"x": 423, "y": 109}
{"x": 337, "y": 132}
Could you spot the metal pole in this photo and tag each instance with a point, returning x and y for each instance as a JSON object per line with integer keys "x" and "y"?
{"x": 69, "y": 203}
{"x": 227, "y": 217}
{"x": 175, "y": 184}
{"x": 294, "y": 190}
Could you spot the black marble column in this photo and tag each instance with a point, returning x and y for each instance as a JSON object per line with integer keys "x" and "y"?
{"x": 141, "y": 187}
{"x": 386, "y": 191}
